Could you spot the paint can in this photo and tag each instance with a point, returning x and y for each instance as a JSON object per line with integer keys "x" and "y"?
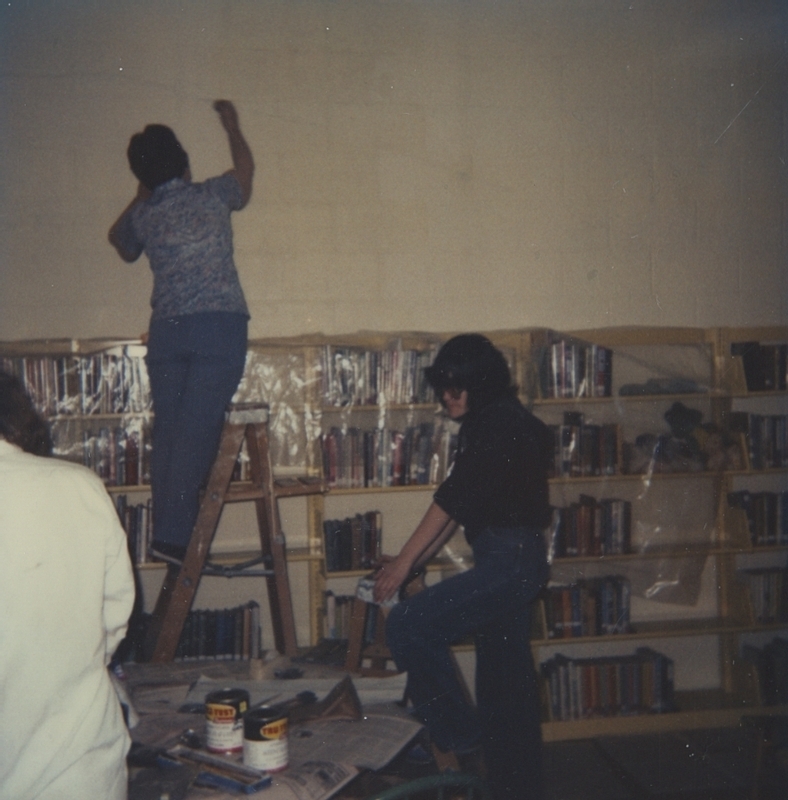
{"x": 224, "y": 727}
{"x": 265, "y": 739}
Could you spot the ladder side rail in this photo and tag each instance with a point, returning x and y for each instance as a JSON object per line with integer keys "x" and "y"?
{"x": 272, "y": 540}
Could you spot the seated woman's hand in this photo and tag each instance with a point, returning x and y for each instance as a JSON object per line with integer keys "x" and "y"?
{"x": 390, "y": 574}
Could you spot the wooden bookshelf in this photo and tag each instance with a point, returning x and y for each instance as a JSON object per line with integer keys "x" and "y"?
{"x": 688, "y": 519}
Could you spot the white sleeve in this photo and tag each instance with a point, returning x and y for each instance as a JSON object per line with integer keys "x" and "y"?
{"x": 119, "y": 587}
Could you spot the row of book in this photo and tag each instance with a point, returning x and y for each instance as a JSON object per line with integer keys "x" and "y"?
{"x": 767, "y": 441}
{"x": 337, "y": 610}
{"x": 592, "y": 527}
{"x": 355, "y": 458}
{"x": 137, "y": 521}
{"x": 581, "y": 450}
{"x": 640, "y": 683}
{"x": 120, "y": 456}
{"x": 765, "y": 365}
{"x": 592, "y": 607}
{"x": 768, "y": 594}
{"x": 767, "y": 515}
{"x": 114, "y": 381}
{"x": 353, "y": 543}
{"x": 223, "y": 634}
{"x": 355, "y": 376}
{"x": 571, "y": 369}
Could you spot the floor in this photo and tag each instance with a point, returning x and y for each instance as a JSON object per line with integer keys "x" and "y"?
{"x": 691, "y": 765}
{"x": 715, "y": 764}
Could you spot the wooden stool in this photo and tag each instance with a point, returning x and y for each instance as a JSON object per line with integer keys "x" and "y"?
{"x": 375, "y": 651}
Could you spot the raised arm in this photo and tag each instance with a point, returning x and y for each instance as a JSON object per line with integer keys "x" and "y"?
{"x": 434, "y": 530}
{"x": 243, "y": 163}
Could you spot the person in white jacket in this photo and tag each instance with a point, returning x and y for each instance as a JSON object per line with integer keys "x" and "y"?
{"x": 66, "y": 593}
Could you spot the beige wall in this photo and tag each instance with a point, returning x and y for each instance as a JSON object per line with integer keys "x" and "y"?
{"x": 428, "y": 165}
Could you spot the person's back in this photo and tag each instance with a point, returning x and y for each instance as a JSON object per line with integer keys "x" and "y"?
{"x": 66, "y": 593}
{"x": 188, "y": 240}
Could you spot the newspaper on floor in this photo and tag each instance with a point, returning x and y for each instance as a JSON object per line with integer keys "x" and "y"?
{"x": 370, "y": 743}
{"x": 312, "y": 780}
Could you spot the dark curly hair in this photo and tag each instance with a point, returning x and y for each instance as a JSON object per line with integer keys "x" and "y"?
{"x": 20, "y": 423}
{"x": 156, "y": 156}
{"x": 471, "y": 362}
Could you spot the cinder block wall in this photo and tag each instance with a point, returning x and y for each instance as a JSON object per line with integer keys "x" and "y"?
{"x": 427, "y": 165}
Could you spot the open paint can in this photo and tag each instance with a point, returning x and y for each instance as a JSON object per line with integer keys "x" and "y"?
{"x": 265, "y": 739}
{"x": 224, "y": 728}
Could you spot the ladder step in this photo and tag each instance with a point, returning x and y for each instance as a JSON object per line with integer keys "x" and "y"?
{"x": 293, "y": 487}
{"x": 237, "y": 494}
{"x": 242, "y": 569}
{"x": 284, "y": 487}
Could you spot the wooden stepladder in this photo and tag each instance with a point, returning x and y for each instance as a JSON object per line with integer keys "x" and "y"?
{"x": 243, "y": 423}
{"x": 376, "y": 652}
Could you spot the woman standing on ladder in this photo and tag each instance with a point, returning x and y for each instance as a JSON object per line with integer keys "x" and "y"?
{"x": 198, "y": 327}
{"x": 498, "y": 491}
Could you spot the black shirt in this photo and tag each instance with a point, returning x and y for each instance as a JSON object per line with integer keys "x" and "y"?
{"x": 499, "y": 477}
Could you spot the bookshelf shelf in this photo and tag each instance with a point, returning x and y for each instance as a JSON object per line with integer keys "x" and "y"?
{"x": 764, "y": 548}
{"x": 422, "y": 487}
{"x": 695, "y": 551}
{"x": 624, "y": 398}
{"x": 636, "y": 477}
{"x": 98, "y": 417}
{"x": 140, "y": 488}
{"x": 661, "y": 630}
{"x": 744, "y": 395}
{"x": 677, "y": 515}
{"x": 754, "y": 473}
{"x": 643, "y": 723}
{"x": 695, "y": 709}
{"x": 381, "y": 408}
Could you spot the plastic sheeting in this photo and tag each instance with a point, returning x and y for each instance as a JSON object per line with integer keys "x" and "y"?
{"x": 636, "y": 445}
{"x": 636, "y": 439}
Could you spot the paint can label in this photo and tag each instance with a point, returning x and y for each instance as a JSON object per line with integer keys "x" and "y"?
{"x": 265, "y": 739}
{"x": 224, "y": 727}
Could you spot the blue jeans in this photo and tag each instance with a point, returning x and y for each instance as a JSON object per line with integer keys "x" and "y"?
{"x": 194, "y": 363}
{"x": 492, "y": 602}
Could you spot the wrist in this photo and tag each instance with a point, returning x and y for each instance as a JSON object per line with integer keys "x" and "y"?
{"x": 407, "y": 563}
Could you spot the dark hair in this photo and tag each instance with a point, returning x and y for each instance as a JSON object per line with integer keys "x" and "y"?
{"x": 156, "y": 156}
{"x": 471, "y": 362}
{"x": 20, "y": 423}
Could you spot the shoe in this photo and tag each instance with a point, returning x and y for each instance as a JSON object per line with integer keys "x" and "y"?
{"x": 445, "y": 761}
{"x": 419, "y": 755}
{"x": 164, "y": 551}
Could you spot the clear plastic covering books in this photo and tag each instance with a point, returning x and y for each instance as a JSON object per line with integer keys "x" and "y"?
{"x": 639, "y": 431}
